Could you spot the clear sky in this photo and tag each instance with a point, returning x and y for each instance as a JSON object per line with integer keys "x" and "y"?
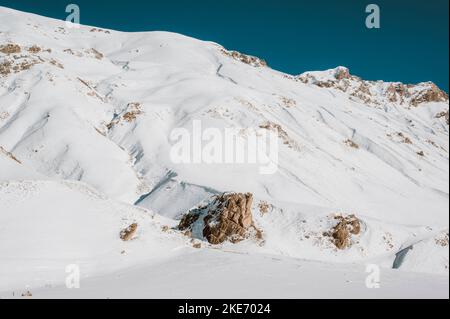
{"x": 292, "y": 35}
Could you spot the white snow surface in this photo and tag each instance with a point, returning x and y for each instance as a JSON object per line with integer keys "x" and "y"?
{"x": 85, "y": 152}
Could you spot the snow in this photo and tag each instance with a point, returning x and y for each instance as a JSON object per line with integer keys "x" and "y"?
{"x": 250, "y": 277}
{"x": 85, "y": 137}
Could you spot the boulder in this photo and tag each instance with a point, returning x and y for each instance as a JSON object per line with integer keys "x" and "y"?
{"x": 227, "y": 218}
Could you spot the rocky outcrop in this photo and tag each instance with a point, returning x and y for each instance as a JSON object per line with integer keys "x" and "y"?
{"x": 128, "y": 233}
{"x": 10, "y": 48}
{"x": 342, "y": 73}
{"x": 374, "y": 93}
{"x": 244, "y": 58}
{"x": 230, "y": 220}
{"x": 443, "y": 114}
{"x": 282, "y": 134}
{"x": 341, "y": 234}
{"x": 227, "y": 218}
{"x": 431, "y": 94}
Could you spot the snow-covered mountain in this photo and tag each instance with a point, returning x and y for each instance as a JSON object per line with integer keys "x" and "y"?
{"x": 86, "y": 116}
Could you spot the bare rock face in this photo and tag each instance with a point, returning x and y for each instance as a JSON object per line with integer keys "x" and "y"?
{"x": 227, "y": 218}
{"x": 397, "y": 92}
{"x": 431, "y": 94}
{"x": 230, "y": 220}
{"x": 374, "y": 93}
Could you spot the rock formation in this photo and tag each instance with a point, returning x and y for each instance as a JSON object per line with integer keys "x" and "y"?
{"x": 227, "y": 218}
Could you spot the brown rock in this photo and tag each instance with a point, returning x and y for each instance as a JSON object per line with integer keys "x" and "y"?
{"x": 34, "y": 49}
{"x": 342, "y": 73}
{"x": 264, "y": 207}
{"x": 344, "y": 229}
{"x": 230, "y": 220}
{"x": 10, "y": 48}
{"x": 187, "y": 221}
{"x": 129, "y": 232}
{"x": 433, "y": 94}
{"x": 443, "y": 114}
{"x": 352, "y": 144}
{"x": 247, "y": 59}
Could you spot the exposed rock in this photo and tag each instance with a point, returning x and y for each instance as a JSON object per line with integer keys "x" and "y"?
{"x": 442, "y": 240}
{"x": 56, "y": 63}
{"x": 34, "y": 49}
{"x": 188, "y": 220}
{"x": 247, "y": 59}
{"x": 10, "y": 48}
{"x": 374, "y": 93}
{"x": 9, "y": 154}
{"x": 342, "y": 232}
{"x": 5, "y": 68}
{"x": 443, "y": 114}
{"x": 404, "y": 138}
{"x": 351, "y": 144}
{"x": 98, "y": 55}
{"x": 230, "y": 220}
{"x": 197, "y": 245}
{"x": 287, "y": 102}
{"x": 129, "y": 232}
{"x": 99, "y": 30}
{"x": 227, "y": 218}
{"x": 342, "y": 73}
{"x": 282, "y": 134}
{"x": 432, "y": 94}
{"x": 264, "y": 207}
{"x": 397, "y": 92}
{"x": 134, "y": 109}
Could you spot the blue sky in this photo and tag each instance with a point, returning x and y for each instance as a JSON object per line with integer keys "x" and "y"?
{"x": 292, "y": 35}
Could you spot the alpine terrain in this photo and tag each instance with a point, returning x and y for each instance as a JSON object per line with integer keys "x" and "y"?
{"x": 91, "y": 198}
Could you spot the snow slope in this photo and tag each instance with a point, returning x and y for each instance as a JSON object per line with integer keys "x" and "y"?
{"x": 86, "y": 112}
{"x": 253, "y": 276}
